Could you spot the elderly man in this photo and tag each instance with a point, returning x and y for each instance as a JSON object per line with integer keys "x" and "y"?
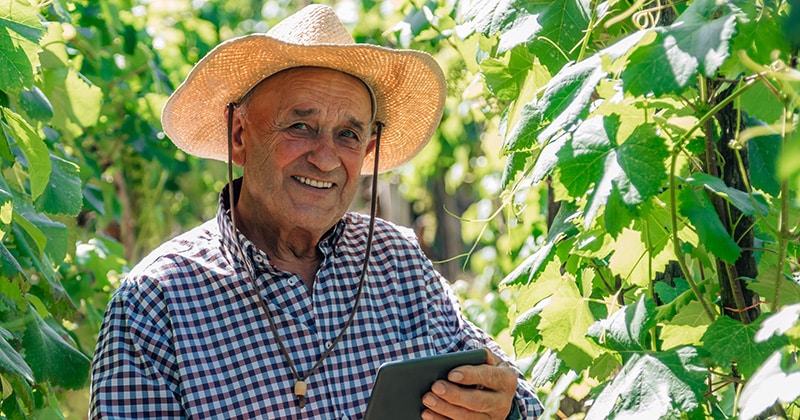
{"x": 285, "y": 305}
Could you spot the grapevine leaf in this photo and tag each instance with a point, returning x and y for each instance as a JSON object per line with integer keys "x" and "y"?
{"x": 729, "y": 340}
{"x": 779, "y": 322}
{"x": 527, "y": 337}
{"x": 604, "y": 366}
{"x": 686, "y": 327}
{"x": 564, "y": 323}
{"x": 649, "y": 386}
{"x": 763, "y": 152}
{"x": 20, "y": 31}
{"x": 565, "y": 99}
{"x": 791, "y": 27}
{"x": 698, "y": 41}
{"x": 34, "y": 148}
{"x": 789, "y": 290}
{"x": 14, "y": 369}
{"x": 504, "y": 77}
{"x": 546, "y": 368}
{"x": 515, "y": 164}
{"x": 521, "y": 22}
{"x": 52, "y": 358}
{"x": 10, "y": 266}
{"x": 563, "y": 23}
{"x": 11, "y": 362}
{"x": 635, "y": 168}
{"x": 35, "y": 104}
{"x": 696, "y": 207}
{"x": 627, "y": 329}
{"x": 667, "y": 293}
{"x": 63, "y": 194}
{"x": 738, "y": 198}
{"x": 529, "y": 269}
{"x": 770, "y": 383}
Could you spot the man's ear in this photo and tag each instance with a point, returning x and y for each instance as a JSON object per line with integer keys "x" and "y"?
{"x": 237, "y": 144}
{"x": 371, "y": 144}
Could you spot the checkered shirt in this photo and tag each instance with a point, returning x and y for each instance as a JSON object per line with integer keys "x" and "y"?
{"x": 184, "y": 336}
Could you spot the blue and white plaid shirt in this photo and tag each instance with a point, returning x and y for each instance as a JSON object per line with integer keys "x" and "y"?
{"x": 185, "y": 336}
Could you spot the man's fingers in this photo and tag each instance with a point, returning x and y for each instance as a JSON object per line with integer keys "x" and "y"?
{"x": 499, "y": 378}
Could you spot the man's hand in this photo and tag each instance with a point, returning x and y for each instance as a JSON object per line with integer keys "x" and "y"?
{"x": 487, "y": 392}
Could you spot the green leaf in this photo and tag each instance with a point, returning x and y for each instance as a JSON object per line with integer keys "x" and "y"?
{"x": 527, "y": 339}
{"x": 713, "y": 235}
{"x": 34, "y": 148}
{"x": 770, "y": 384}
{"x": 565, "y": 99}
{"x": 35, "y": 104}
{"x": 531, "y": 267}
{"x": 546, "y": 368}
{"x": 738, "y": 198}
{"x": 698, "y": 41}
{"x": 791, "y": 26}
{"x": 789, "y": 290}
{"x": 515, "y": 164}
{"x": 11, "y": 362}
{"x": 667, "y": 293}
{"x": 779, "y": 322}
{"x": 627, "y": 329}
{"x": 14, "y": 371}
{"x": 565, "y": 321}
{"x": 636, "y": 168}
{"x": 728, "y": 340}
{"x": 604, "y": 366}
{"x": 10, "y": 266}
{"x": 686, "y": 327}
{"x": 51, "y": 357}
{"x": 650, "y": 386}
{"x": 763, "y": 152}
{"x": 20, "y": 31}
{"x": 63, "y": 194}
{"x": 504, "y": 77}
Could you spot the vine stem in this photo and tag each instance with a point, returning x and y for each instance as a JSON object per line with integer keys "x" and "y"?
{"x": 783, "y": 221}
{"x": 676, "y": 241}
{"x": 673, "y": 187}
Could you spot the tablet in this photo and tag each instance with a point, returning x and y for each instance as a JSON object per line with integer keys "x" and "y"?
{"x": 400, "y": 385}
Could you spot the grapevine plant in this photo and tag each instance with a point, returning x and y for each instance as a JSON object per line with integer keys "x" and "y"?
{"x": 664, "y": 137}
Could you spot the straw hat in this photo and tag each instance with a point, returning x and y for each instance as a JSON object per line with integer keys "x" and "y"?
{"x": 409, "y": 86}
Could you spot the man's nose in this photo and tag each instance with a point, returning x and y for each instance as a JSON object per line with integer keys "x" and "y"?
{"x": 324, "y": 154}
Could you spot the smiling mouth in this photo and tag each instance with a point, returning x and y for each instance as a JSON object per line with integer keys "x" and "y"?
{"x": 314, "y": 183}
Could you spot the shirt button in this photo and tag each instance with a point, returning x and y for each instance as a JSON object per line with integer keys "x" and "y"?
{"x": 292, "y": 281}
{"x": 328, "y": 344}
{"x": 259, "y": 259}
{"x": 344, "y": 417}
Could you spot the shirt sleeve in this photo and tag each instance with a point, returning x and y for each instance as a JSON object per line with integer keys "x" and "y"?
{"x": 449, "y": 322}
{"x": 134, "y": 364}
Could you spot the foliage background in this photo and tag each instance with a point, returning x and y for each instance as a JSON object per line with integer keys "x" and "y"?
{"x": 613, "y": 188}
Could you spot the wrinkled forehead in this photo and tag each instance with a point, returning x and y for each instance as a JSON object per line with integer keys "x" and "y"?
{"x": 242, "y": 102}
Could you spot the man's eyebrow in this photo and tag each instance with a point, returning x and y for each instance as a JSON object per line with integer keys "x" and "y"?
{"x": 305, "y": 112}
{"x": 357, "y": 124}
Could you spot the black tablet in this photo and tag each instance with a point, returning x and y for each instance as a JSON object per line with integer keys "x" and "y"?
{"x": 400, "y": 385}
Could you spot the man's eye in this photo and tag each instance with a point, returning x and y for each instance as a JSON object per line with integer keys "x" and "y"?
{"x": 299, "y": 126}
{"x": 349, "y": 134}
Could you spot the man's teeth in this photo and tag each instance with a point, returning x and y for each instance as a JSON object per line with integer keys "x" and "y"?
{"x": 314, "y": 183}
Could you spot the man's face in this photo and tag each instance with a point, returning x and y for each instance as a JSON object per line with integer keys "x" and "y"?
{"x": 303, "y": 135}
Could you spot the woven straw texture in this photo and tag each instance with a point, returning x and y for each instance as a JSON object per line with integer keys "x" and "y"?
{"x": 409, "y": 86}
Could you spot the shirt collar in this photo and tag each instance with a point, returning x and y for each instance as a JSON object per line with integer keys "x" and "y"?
{"x": 259, "y": 258}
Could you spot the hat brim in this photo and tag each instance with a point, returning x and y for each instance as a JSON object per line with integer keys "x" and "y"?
{"x": 408, "y": 85}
